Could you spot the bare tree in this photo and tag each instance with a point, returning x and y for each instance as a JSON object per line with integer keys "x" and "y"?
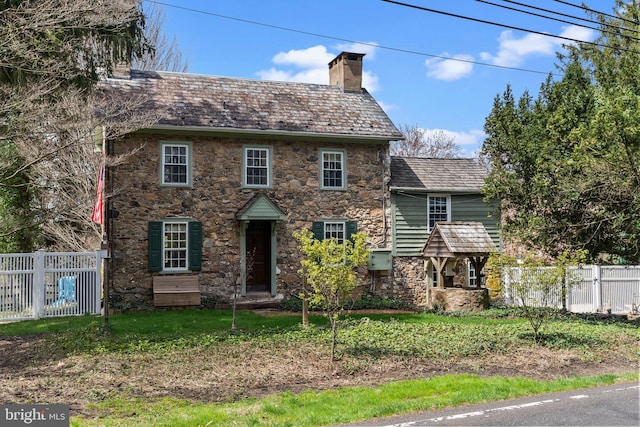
{"x": 166, "y": 55}
{"x": 49, "y": 111}
{"x": 420, "y": 143}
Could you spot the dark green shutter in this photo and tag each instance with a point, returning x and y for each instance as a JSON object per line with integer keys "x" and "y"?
{"x": 352, "y": 228}
{"x": 155, "y": 246}
{"x": 318, "y": 230}
{"x": 195, "y": 246}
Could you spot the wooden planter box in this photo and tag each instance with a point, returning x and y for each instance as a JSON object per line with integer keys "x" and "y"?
{"x": 174, "y": 291}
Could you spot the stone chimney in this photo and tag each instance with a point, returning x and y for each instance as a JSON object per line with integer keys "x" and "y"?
{"x": 346, "y": 71}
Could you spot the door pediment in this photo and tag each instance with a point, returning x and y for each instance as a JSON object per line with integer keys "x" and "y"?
{"x": 261, "y": 208}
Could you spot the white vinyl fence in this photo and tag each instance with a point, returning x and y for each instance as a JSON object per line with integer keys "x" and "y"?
{"x": 596, "y": 288}
{"x": 49, "y": 284}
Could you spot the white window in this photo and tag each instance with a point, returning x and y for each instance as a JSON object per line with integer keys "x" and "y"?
{"x": 332, "y": 169}
{"x": 334, "y": 230}
{"x": 438, "y": 210}
{"x": 176, "y": 167}
{"x": 174, "y": 239}
{"x": 256, "y": 167}
{"x": 472, "y": 277}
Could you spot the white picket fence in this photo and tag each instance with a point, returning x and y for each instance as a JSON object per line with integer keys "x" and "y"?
{"x": 597, "y": 288}
{"x": 49, "y": 284}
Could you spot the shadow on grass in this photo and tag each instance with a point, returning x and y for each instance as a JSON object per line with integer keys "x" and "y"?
{"x": 562, "y": 340}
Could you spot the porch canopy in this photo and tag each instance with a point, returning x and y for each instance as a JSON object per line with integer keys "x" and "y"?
{"x": 458, "y": 239}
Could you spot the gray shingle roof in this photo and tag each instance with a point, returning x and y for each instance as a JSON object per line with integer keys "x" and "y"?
{"x": 459, "y": 238}
{"x": 243, "y": 104}
{"x": 429, "y": 174}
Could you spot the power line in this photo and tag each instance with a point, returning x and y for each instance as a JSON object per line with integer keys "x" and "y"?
{"x": 550, "y": 17}
{"x": 567, "y": 15}
{"x": 584, "y": 7}
{"x": 413, "y": 6}
{"x": 308, "y": 33}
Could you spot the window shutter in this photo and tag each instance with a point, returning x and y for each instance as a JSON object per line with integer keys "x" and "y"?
{"x": 318, "y": 230}
{"x": 352, "y": 228}
{"x": 155, "y": 246}
{"x": 195, "y": 246}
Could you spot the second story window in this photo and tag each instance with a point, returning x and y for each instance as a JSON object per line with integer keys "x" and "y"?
{"x": 438, "y": 210}
{"x": 332, "y": 169}
{"x": 176, "y": 167}
{"x": 256, "y": 167}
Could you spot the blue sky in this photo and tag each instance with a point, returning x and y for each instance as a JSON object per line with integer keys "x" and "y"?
{"x": 293, "y": 40}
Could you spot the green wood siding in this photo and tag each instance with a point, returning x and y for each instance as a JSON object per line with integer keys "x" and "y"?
{"x": 409, "y": 219}
{"x": 471, "y": 207}
{"x": 410, "y": 231}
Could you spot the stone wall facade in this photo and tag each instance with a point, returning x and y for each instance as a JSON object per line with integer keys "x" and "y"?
{"x": 217, "y": 194}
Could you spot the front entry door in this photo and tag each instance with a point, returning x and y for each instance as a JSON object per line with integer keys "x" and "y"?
{"x": 259, "y": 256}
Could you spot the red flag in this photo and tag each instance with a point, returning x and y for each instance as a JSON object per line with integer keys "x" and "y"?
{"x": 97, "y": 215}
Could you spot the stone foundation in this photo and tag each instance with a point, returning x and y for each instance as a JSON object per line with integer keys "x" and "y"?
{"x": 460, "y": 299}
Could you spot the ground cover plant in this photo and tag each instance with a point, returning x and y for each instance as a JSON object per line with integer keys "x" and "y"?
{"x": 189, "y": 365}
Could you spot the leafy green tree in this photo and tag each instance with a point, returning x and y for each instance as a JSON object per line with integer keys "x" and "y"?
{"x": 566, "y": 164}
{"x": 331, "y": 271}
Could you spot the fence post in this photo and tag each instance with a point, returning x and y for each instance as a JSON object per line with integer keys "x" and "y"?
{"x": 101, "y": 254}
{"x": 597, "y": 287}
{"x": 37, "y": 284}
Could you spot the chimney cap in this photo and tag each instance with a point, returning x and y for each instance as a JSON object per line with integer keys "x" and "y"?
{"x": 351, "y": 56}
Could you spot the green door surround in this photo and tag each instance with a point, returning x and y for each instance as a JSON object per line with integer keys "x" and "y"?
{"x": 259, "y": 208}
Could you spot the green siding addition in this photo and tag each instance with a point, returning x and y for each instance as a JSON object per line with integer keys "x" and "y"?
{"x": 471, "y": 207}
{"x": 409, "y": 219}
{"x": 410, "y": 230}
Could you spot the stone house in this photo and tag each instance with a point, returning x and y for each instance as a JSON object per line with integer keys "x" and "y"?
{"x": 231, "y": 169}
{"x": 425, "y": 191}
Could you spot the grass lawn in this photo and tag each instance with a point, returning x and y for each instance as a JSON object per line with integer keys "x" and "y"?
{"x": 186, "y": 368}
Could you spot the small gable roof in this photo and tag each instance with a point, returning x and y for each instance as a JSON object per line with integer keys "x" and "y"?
{"x": 260, "y": 207}
{"x": 202, "y": 102}
{"x": 458, "y": 238}
{"x": 430, "y": 174}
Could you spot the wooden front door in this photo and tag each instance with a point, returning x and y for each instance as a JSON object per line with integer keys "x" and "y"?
{"x": 259, "y": 256}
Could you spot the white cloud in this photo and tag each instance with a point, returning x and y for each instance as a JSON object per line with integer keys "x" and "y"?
{"x": 470, "y": 142}
{"x": 578, "y": 33}
{"x": 311, "y": 65}
{"x": 387, "y": 107}
{"x": 313, "y": 57}
{"x": 448, "y": 69}
{"x": 513, "y": 51}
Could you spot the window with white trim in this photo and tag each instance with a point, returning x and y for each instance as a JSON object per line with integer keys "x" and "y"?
{"x": 334, "y": 230}
{"x": 257, "y": 167}
{"x": 175, "y": 244}
{"x": 438, "y": 210}
{"x": 176, "y": 167}
{"x": 332, "y": 169}
{"x": 472, "y": 277}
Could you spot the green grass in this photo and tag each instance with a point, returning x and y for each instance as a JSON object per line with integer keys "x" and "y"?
{"x": 362, "y": 338}
{"x": 333, "y": 406}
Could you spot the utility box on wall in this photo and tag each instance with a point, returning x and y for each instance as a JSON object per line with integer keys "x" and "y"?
{"x": 379, "y": 259}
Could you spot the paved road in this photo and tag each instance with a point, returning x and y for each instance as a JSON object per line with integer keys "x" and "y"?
{"x": 616, "y": 405}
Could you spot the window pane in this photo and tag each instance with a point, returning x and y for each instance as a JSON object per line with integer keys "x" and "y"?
{"x": 332, "y": 169}
{"x": 334, "y": 230}
{"x": 257, "y": 166}
{"x": 437, "y": 210}
{"x": 175, "y": 245}
{"x": 175, "y": 163}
